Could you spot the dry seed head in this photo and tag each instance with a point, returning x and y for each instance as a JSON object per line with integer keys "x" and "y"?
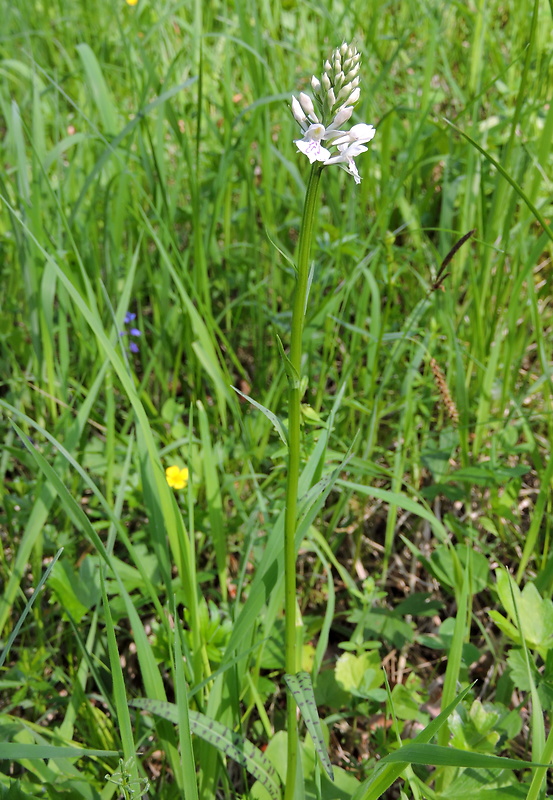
{"x": 443, "y": 388}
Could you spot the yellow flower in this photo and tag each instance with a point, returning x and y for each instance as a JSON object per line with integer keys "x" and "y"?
{"x": 176, "y": 477}
{"x": 131, "y": 2}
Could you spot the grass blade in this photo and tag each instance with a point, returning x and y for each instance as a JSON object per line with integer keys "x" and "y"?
{"x": 28, "y": 607}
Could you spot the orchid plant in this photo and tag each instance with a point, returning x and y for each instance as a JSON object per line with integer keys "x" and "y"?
{"x": 324, "y": 142}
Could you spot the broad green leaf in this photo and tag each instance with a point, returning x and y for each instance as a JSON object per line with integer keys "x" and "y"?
{"x": 484, "y": 785}
{"x": 359, "y": 675}
{"x": 535, "y": 613}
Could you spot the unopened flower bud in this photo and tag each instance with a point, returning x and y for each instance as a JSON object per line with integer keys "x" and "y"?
{"x": 351, "y": 71}
{"x": 297, "y": 111}
{"x": 342, "y": 116}
{"x": 315, "y": 84}
{"x": 325, "y": 80}
{"x": 307, "y": 105}
{"x": 327, "y": 66}
{"x": 344, "y": 92}
{"x": 354, "y": 97}
{"x": 331, "y": 98}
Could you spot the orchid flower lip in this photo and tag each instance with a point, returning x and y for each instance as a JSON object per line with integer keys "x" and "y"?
{"x": 311, "y": 145}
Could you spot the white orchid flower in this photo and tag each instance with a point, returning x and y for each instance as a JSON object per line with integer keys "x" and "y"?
{"x": 351, "y": 145}
{"x": 359, "y": 134}
{"x": 311, "y": 145}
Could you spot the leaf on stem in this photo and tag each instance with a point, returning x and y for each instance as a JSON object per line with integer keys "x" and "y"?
{"x": 224, "y": 739}
{"x": 301, "y": 687}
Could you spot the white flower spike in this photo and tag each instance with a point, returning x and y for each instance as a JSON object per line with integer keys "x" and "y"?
{"x": 335, "y": 95}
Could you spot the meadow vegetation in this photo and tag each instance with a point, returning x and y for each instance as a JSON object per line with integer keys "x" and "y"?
{"x": 151, "y": 200}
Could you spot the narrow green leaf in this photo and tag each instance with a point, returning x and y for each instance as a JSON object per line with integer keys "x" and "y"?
{"x": 291, "y": 372}
{"x": 214, "y": 500}
{"x": 438, "y": 756}
{"x": 14, "y": 751}
{"x": 301, "y": 687}
{"x": 224, "y": 739}
{"x": 401, "y": 500}
{"x": 99, "y": 89}
{"x": 187, "y": 764}
{"x": 385, "y": 774}
{"x": 501, "y": 170}
{"x": 277, "y": 424}
{"x": 28, "y": 606}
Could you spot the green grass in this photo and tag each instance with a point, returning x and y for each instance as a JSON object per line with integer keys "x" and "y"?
{"x": 149, "y": 167}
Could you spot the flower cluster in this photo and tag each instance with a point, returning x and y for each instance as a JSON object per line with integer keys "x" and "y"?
{"x": 129, "y": 317}
{"x": 336, "y": 93}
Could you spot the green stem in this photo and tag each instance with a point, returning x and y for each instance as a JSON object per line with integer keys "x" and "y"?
{"x": 294, "y": 422}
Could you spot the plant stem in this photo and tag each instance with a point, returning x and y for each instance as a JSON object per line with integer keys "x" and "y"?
{"x": 294, "y": 420}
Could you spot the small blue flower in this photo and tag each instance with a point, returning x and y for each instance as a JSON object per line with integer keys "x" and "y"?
{"x": 130, "y": 317}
